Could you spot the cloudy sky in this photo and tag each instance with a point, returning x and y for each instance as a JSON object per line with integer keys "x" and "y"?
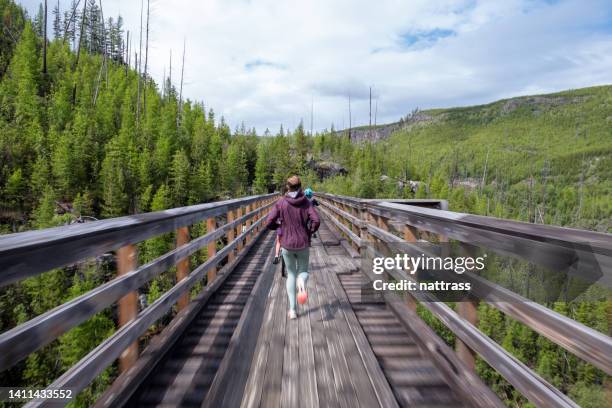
{"x": 265, "y": 62}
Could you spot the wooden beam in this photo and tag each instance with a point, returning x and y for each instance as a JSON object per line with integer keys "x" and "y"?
{"x": 211, "y": 225}
{"x": 239, "y": 228}
{"x": 231, "y": 234}
{"x": 467, "y": 309}
{"x": 128, "y": 305}
{"x": 410, "y": 233}
{"x": 248, "y": 223}
{"x": 182, "y": 267}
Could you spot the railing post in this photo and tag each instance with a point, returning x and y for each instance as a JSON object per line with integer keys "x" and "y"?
{"x": 239, "y": 228}
{"x": 410, "y": 235}
{"x": 211, "y": 225}
{"x": 182, "y": 267}
{"x": 255, "y": 207}
{"x": 354, "y": 228}
{"x": 363, "y": 233}
{"x": 231, "y": 234}
{"x": 248, "y": 223}
{"x": 128, "y": 306}
{"x": 467, "y": 309}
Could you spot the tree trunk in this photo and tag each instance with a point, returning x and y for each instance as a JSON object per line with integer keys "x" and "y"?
{"x": 180, "y": 107}
{"x": 44, "y": 69}
{"x": 350, "y": 119}
{"x": 139, "y": 66}
{"x": 144, "y": 102}
{"x": 76, "y": 63}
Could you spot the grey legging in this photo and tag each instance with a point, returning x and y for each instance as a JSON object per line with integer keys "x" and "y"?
{"x": 296, "y": 263}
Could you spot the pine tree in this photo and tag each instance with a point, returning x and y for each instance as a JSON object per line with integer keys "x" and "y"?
{"x": 180, "y": 174}
{"x": 115, "y": 200}
{"x": 235, "y": 173}
{"x": 263, "y": 171}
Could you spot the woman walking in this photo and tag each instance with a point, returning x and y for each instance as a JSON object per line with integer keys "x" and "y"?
{"x": 299, "y": 221}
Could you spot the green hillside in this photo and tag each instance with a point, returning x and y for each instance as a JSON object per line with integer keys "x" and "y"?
{"x": 545, "y": 158}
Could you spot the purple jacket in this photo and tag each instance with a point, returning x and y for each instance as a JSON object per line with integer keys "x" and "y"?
{"x": 296, "y": 214}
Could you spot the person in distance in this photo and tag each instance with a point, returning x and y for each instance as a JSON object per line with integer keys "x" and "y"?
{"x": 299, "y": 221}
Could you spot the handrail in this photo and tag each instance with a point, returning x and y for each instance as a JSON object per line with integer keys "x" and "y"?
{"x": 17, "y": 343}
{"x": 85, "y": 371}
{"x": 26, "y": 254}
{"x": 536, "y": 243}
{"x": 552, "y": 247}
{"x": 584, "y": 342}
{"x": 29, "y": 253}
{"x": 530, "y": 384}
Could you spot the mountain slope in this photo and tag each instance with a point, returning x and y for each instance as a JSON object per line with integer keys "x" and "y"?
{"x": 544, "y": 158}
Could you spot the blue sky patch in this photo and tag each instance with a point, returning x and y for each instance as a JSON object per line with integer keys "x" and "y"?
{"x": 261, "y": 63}
{"x": 408, "y": 40}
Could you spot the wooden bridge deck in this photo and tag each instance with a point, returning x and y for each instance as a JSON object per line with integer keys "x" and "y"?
{"x": 241, "y": 350}
{"x": 340, "y": 351}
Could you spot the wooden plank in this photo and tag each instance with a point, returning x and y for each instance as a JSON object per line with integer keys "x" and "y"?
{"x": 255, "y": 383}
{"x": 291, "y": 366}
{"x": 271, "y": 393}
{"x": 360, "y": 378}
{"x": 229, "y": 383}
{"x": 307, "y": 385}
{"x": 326, "y": 389}
{"x": 376, "y": 376}
{"x": 347, "y": 395}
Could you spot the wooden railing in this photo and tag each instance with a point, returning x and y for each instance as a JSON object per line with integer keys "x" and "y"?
{"x": 28, "y": 254}
{"x": 410, "y": 221}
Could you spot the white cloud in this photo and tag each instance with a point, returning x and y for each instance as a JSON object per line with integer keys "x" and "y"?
{"x": 264, "y": 61}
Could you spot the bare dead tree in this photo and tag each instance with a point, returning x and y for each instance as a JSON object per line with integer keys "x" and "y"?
{"x": 70, "y": 20}
{"x": 350, "y": 119}
{"x": 164, "y": 84}
{"x": 180, "y": 107}
{"x": 44, "y": 69}
{"x": 530, "y": 199}
{"x": 144, "y": 103}
{"x": 104, "y": 40}
{"x": 484, "y": 173}
{"x": 545, "y": 171}
{"x": 127, "y": 53}
{"x": 169, "y": 88}
{"x": 139, "y": 62}
{"x": 370, "y": 125}
{"x": 375, "y": 111}
{"x": 76, "y": 62}
{"x": 104, "y": 65}
{"x": 581, "y": 190}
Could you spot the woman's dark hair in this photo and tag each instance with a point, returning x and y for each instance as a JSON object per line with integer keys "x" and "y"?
{"x": 294, "y": 183}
